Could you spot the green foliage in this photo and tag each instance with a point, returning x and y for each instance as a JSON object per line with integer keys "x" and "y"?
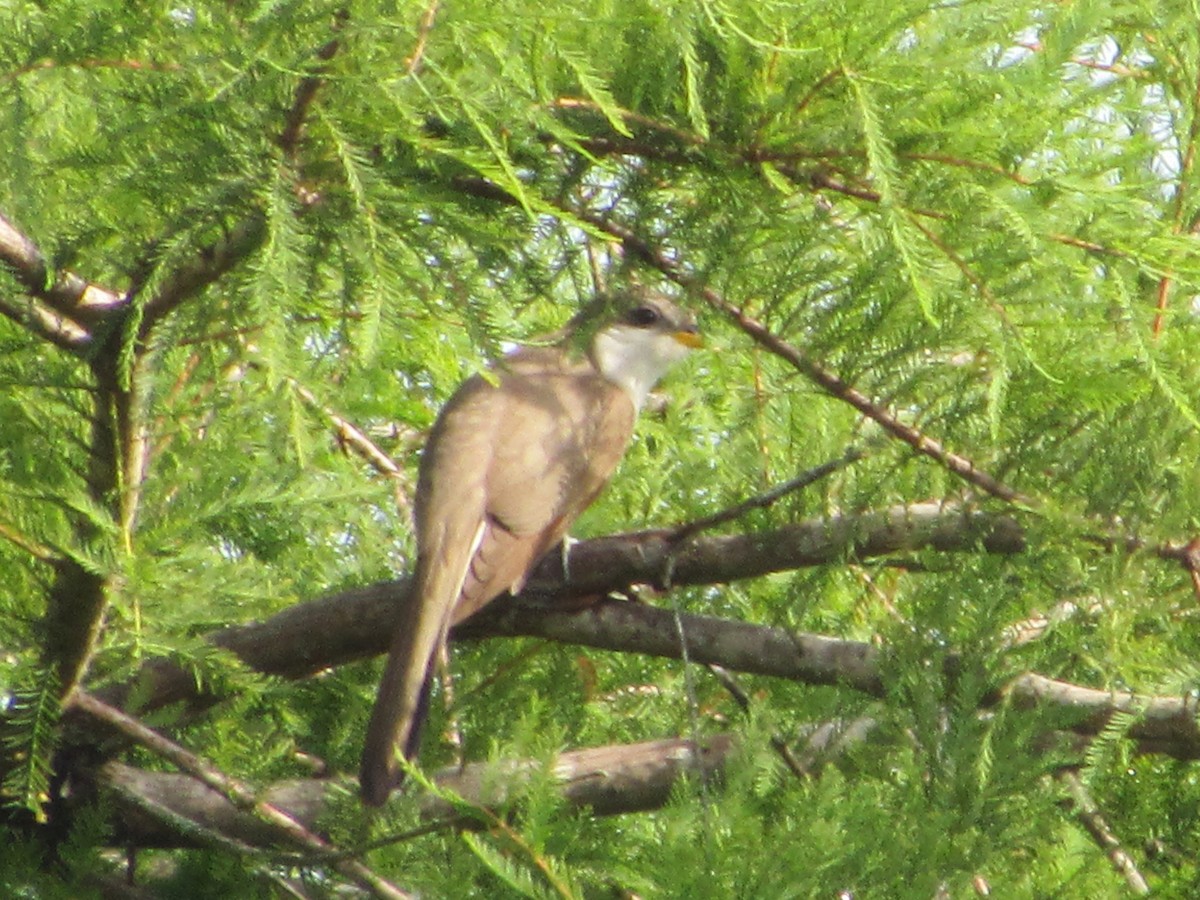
{"x": 969, "y": 212}
{"x": 32, "y": 713}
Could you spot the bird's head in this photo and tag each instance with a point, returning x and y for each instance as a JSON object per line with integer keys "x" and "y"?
{"x": 645, "y": 336}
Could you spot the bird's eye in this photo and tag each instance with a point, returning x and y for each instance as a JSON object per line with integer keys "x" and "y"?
{"x": 643, "y": 316}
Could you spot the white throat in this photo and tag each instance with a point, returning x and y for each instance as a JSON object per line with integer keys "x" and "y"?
{"x": 635, "y": 359}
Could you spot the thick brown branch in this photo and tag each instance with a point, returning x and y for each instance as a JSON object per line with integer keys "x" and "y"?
{"x": 650, "y": 630}
{"x": 63, "y": 306}
{"x": 350, "y": 625}
{"x": 78, "y": 598}
{"x": 1169, "y": 722}
{"x": 610, "y": 780}
{"x": 47, "y": 324}
{"x": 354, "y": 624}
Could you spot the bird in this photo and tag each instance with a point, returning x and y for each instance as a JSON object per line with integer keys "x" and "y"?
{"x": 512, "y": 460}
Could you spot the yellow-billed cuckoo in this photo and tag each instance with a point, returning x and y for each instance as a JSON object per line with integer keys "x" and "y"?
{"x": 511, "y": 462}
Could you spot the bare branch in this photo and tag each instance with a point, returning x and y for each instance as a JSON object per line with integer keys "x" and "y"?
{"x": 1090, "y": 816}
{"x": 607, "y": 780}
{"x": 241, "y": 796}
{"x": 62, "y": 307}
{"x": 742, "y": 699}
{"x": 649, "y": 630}
{"x": 767, "y": 498}
{"x": 64, "y": 292}
{"x": 1169, "y": 721}
{"x": 349, "y": 435}
{"x": 354, "y": 624}
{"x": 413, "y": 63}
{"x": 78, "y": 598}
{"x": 47, "y": 324}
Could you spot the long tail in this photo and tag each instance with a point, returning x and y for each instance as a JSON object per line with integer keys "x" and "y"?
{"x": 403, "y": 699}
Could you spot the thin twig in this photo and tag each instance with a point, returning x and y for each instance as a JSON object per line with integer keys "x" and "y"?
{"x": 414, "y": 60}
{"x": 679, "y": 134}
{"x": 1182, "y": 199}
{"x": 137, "y": 65}
{"x": 1089, "y": 815}
{"x": 743, "y": 700}
{"x": 819, "y": 85}
{"x": 766, "y": 498}
{"x": 1111, "y": 68}
{"x": 1089, "y": 246}
{"x": 37, "y": 550}
{"x": 349, "y": 435}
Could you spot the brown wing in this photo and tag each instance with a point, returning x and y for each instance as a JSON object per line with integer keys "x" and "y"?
{"x": 450, "y": 509}
{"x": 506, "y": 470}
{"x": 558, "y": 446}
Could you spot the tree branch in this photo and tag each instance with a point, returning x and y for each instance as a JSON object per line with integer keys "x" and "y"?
{"x": 357, "y": 623}
{"x": 413, "y": 63}
{"x": 351, "y": 436}
{"x": 66, "y": 293}
{"x": 767, "y": 498}
{"x": 78, "y": 597}
{"x": 208, "y": 264}
{"x": 231, "y": 790}
{"x": 1092, "y": 819}
{"x": 47, "y": 324}
{"x": 306, "y": 91}
{"x": 354, "y": 624}
{"x": 607, "y": 780}
{"x": 1165, "y": 724}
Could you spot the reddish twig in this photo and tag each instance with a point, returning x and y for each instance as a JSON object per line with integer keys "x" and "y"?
{"x": 413, "y": 63}
{"x": 1111, "y": 68}
{"x": 1187, "y": 164}
{"x": 819, "y": 85}
{"x": 306, "y": 92}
